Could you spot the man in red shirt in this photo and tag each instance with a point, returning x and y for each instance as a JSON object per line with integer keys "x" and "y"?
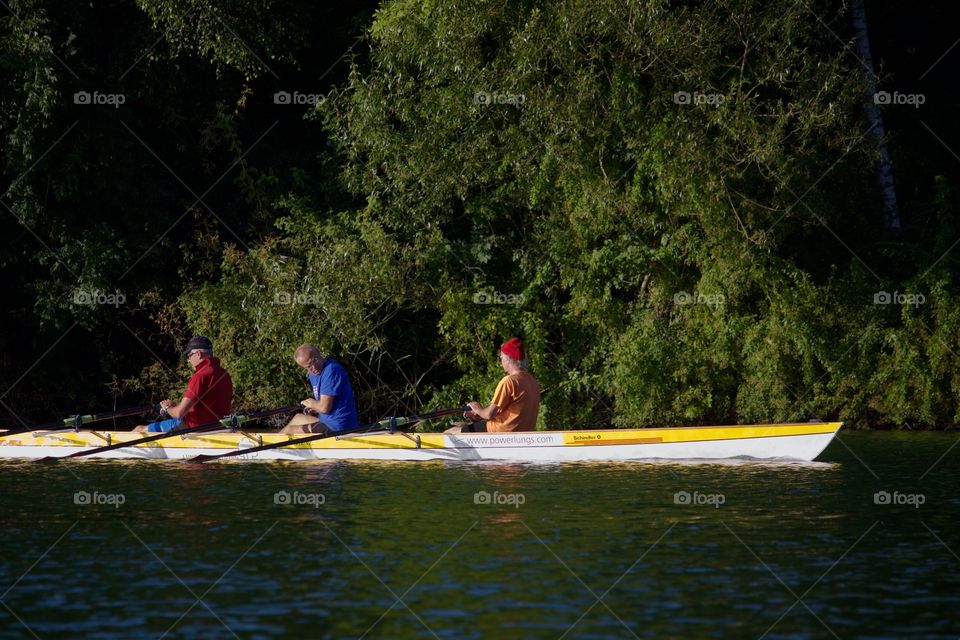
{"x": 208, "y": 397}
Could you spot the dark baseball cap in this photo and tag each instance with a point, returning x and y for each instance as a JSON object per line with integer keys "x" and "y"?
{"x": 198, "y": 342}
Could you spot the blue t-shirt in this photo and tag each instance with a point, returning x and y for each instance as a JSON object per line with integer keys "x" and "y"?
{"x": 333, "y": 381}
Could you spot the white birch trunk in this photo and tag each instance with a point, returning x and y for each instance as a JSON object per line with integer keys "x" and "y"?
{"x": 891, "y": 215}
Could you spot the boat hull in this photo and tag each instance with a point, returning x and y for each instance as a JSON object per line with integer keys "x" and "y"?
{"x": 801, "y": 441}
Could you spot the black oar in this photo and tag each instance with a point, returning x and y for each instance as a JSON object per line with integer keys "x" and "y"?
{"x": 75, "y": 422}
{"x": 229, "y": 421}
{"x": 389, "y": 424}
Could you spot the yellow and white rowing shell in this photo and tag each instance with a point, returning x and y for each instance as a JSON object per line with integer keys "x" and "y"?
{"x": 794, "y": 441}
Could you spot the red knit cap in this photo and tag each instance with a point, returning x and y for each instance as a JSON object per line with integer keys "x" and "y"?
{"x": 513, "y": 349}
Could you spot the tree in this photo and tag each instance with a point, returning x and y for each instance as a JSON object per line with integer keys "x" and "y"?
{"x": 884, "y": 168}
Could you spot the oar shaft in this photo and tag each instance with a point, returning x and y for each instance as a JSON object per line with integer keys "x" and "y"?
{"x": 79, "y": 420}
{"x": 388, "y": 423}
{"x": 224, "y": 422}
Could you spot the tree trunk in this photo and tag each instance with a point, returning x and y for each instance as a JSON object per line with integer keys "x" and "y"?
{"x": 891, "y": 215}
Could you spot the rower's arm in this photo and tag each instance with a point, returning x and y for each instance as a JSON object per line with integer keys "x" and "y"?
{"x": 181, "y": 409}
{"x": 485, "y": 413}
{"x": 323, "y": 405}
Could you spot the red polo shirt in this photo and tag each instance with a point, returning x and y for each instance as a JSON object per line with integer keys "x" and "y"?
{"x": 212, "y": 388}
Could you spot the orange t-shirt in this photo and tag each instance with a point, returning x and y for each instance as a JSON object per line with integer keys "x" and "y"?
{"x": 518, "y": 400}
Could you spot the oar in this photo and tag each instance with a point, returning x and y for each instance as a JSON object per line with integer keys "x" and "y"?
{"x": 390, "y": 424}
{"x": 75, "y": 422}
{"x": 229, "y": 421}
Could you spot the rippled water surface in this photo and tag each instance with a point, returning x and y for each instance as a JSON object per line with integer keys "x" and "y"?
{"x": 403, "y": 550}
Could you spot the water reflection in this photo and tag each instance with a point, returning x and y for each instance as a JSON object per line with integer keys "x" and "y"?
{"x": 469, "y": 568}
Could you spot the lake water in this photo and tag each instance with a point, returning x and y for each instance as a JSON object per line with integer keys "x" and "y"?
{"x": 404, "y": 550}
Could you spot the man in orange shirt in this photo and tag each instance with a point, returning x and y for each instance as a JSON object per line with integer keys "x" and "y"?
{"x": 515, "y": 402}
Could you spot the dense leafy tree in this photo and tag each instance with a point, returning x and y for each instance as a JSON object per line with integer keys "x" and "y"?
{"x": 673, "y": 203}
{"x": 141, "y": 143}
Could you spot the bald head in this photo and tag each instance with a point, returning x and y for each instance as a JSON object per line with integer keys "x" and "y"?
{"x": 305, "y": 351}
{"x": 309, "y": 357}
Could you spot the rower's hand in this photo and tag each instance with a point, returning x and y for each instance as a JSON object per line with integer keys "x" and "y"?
{"x": 309, "y": 406}
{"x": 472, "y": 413}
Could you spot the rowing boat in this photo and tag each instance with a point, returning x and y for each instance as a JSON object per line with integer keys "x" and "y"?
{"x": 793, "y": 441}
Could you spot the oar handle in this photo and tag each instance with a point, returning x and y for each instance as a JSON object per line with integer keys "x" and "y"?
{"x": 77, "y": 421}
{"x": 390, "y": 424}
{"x": 401, "y": 422}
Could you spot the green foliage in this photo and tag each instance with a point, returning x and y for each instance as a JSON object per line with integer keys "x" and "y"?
{"x": 343, "y": 284}
{"x": 249, "y": 35}
{"x": 646, "y": 194}
{"x": 671, "y": 203}
{"x": 142, "y": 198}
{"x": 592, "y": 193}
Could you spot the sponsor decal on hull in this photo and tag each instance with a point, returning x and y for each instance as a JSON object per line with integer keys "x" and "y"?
{"x": 525, "y": 439}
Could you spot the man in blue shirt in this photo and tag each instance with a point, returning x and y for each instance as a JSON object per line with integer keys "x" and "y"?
{"x": 332, "y": 403}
